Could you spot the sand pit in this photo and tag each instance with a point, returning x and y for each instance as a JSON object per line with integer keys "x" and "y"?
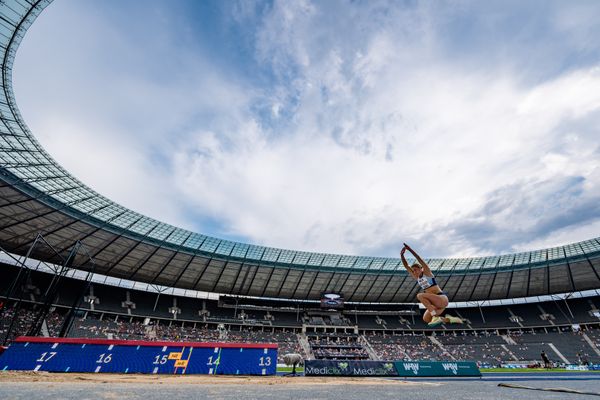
{"x": 31, "y": 376}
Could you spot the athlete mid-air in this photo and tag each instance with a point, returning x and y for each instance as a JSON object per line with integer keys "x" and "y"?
{"x": 432, "y": 296}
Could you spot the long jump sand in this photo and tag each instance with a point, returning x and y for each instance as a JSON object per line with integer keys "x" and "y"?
{"x": 31, "y": 376}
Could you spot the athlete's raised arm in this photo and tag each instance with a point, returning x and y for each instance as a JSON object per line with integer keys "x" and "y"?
{"x": 405, "y": 263}
{"x": 421, "y": 262}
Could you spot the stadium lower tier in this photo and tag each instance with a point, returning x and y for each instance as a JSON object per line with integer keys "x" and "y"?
{"x": 102, "y": 298}
{"x": 563, "y": 345}
{"x": 568, "y": 331}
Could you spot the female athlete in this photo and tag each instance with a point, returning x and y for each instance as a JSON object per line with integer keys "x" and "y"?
{"x": 432, "y": 296}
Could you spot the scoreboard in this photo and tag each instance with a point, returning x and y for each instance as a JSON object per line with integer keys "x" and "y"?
{"x": 133, "y": 356}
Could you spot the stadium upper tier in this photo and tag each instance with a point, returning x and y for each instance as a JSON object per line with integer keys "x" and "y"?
{"x": 39, "y": 196}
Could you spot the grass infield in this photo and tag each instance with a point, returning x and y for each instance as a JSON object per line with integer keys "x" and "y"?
{"x": 289, "y": 369}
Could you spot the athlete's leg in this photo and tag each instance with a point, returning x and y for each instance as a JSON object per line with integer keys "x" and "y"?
{"x": 441, "y": 301}
{"x": 430, "y": 310}
{"x": 427, "y": 317}
{"x": 433, "y": 302}
{"x": 423, "y": 300}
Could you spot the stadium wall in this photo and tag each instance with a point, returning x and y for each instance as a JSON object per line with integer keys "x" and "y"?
{"x": 132, "y": 356}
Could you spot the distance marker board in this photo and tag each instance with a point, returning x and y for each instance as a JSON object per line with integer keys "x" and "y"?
{"x": 133, "y": 356}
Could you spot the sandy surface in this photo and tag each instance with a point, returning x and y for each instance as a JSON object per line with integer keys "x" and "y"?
{"x": 31, "y": 376}
{"x": 79, "y": 386}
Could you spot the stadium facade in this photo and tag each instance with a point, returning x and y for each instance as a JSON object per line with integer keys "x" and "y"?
{"x": 38, "y": 196}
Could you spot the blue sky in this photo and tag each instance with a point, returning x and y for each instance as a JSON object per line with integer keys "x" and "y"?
{"x": 464, "y": 128}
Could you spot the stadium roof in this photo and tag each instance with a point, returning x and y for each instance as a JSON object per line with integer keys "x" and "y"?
{"x": 39, "y": 196}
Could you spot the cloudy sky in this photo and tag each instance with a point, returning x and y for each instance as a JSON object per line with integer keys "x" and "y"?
{"x": 464, "y": 128}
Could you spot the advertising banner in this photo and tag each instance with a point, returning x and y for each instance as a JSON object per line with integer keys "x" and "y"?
{"x": 436, "y": 368}
{"x": 390, "y": 368}
{"x": 572, "y": 367}
{"x": 349, "y": 368}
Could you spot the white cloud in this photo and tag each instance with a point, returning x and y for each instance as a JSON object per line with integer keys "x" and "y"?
{"x": 110, "y": 107}
{"x": 419, "y": 143}
{"x": 570, "y": 234}
{"x": 381, "y": 135}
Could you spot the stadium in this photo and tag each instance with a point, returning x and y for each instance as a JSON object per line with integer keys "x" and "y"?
{"x": 78, "y": 266}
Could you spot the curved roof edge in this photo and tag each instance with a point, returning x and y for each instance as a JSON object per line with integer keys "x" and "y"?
{"x": 26, "y": 166}
{"x": 194, "y": 294}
